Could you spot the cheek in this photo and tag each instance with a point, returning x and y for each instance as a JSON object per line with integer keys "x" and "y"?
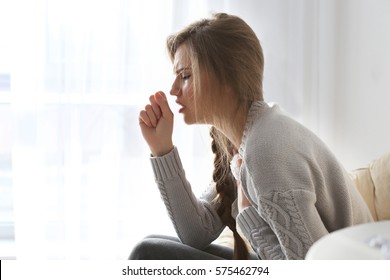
{"x": 188, "y": 92}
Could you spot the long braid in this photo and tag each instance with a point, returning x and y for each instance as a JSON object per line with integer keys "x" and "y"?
{"x": 226, "y": 189}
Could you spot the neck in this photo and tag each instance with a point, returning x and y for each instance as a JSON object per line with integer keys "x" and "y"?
{"x": 233, "y": 123}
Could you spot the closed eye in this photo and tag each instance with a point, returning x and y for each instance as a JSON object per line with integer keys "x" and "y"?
{"x": 185, "y": 77}
{"x": 184, "y": 73}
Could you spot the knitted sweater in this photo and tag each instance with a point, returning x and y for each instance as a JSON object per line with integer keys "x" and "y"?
{"x": 298, "y": 190}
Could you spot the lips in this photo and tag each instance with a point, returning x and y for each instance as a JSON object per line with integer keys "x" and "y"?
{"x": 182, "y": 107}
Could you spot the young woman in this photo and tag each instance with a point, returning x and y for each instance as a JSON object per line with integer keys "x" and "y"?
{"x": 273, "y": 177}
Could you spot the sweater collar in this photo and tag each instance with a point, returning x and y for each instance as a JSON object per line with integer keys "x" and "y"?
{"x": 255, "y": 109}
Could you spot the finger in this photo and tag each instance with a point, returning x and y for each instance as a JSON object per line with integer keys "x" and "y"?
{"x": 163, "y": 103}
{"x": 238, "y": 183}
{"x": 144, "y": 119}
{"x": 155, "y": 106}
{"x": 239, "y": 162}
{"x": 151, "y": 115}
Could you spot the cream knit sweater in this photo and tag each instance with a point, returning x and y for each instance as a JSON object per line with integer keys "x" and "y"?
{"x": 298, "y": 190}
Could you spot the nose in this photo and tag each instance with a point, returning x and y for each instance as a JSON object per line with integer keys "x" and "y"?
{"x": 175, "y": 89}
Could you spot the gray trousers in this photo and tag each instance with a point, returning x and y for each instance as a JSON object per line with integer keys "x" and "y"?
{"x": 159, "y": 247}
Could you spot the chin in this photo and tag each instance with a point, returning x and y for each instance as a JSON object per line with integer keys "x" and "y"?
{"x": 189, "y": 121}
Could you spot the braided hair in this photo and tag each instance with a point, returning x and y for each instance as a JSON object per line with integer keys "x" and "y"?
{"x": 227, "y": 190}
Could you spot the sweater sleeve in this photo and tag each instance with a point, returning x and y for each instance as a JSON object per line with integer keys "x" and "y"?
{"x": 284, "y": 227}
{"x": 262, "y": 239}
{"x": 195, "y": 219}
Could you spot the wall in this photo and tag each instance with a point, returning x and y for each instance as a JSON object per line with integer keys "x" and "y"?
{"x": 362, "y": 85}
{"x": 328, "y": 65}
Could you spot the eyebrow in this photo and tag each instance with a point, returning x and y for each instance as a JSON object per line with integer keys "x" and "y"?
{"x": 178, "y": 71}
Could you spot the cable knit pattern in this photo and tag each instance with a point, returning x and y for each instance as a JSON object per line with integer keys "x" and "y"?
{"x": 266, "y": 249}
{"x": 281, "y": 213}
{"x": 297, "y": 188}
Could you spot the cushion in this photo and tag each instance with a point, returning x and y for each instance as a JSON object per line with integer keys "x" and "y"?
{"x": 373, "y": 183}
{"x": 364, "y": 184}
{"x": 380, "y": 175}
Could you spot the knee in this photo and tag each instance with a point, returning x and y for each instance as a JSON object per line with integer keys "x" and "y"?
{"x": 150, "y": 248}
{"x": 140, "y": 250}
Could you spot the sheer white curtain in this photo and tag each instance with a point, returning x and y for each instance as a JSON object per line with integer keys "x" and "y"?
{"x": 81, "y": 71}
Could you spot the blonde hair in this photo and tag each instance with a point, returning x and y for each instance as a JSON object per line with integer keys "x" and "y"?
{"x": 225, "y": 50}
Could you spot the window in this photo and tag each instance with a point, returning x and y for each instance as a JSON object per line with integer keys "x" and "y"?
{"x": 74, "y": 168}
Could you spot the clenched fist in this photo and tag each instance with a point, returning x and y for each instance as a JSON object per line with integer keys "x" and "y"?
{"x": 156, "y": 122}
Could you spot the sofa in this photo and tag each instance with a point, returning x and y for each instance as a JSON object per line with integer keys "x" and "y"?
{"x": 373, "y": 183}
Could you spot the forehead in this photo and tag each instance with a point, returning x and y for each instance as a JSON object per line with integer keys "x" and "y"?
{"x": 182, "y": 58}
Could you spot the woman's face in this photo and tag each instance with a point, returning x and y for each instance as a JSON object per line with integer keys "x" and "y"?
{"x": 182, "y": 86}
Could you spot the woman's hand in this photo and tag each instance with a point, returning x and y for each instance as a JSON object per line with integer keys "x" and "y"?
{"x": 242, "y": 200}
{"x": 156, "y": 123}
